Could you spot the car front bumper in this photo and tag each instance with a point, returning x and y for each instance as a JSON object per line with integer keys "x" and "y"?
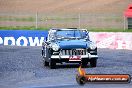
{"x": 89, "y": 56}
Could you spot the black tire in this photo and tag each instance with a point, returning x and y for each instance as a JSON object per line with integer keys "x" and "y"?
{"x": 46, "y": 63}
{"x": 93, "y": 62}
{"x": 42, "y": 52}
{"x": 129, "y": 80}
{"x": 80, "y": 80}
{"x": 84, "y": 63}
{"x": 52, "y": 64}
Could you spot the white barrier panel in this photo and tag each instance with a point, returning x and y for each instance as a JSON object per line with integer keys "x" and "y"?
{"x": 112, "y": 40}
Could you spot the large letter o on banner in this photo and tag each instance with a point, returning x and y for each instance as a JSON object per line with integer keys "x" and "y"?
{"x": 25, "y": 41}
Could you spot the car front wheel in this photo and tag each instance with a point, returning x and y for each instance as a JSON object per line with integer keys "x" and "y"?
{"x": 93, "y": 62}
{"x": 46, "y": 63}
{"x": 52, "y": 64}
{"x": 84, "y": 64}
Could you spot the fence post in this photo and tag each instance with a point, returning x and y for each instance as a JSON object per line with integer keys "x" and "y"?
{"x": 79, "y": 17}
{"x": 36, "y": 25}
{"x": 124, "y": 23}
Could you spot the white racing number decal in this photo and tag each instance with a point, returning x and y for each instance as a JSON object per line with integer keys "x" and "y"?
{"x": 75, "y": 58}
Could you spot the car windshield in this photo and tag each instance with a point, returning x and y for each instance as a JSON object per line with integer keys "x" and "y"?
{"x": 70, "y": 34}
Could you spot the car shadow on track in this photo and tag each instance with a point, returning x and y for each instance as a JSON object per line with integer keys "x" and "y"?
{"x": 70, "y": 66}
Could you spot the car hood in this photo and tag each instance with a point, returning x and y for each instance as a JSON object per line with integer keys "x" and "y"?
{"x": 73, "y": 44}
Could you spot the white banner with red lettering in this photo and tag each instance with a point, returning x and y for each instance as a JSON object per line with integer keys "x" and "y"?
{"x": 112, "y": 40}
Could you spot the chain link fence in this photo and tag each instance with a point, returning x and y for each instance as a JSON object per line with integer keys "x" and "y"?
{"x": 90, "y": 21}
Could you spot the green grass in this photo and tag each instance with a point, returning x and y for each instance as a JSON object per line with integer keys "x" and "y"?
{"x": 32, "y": 19}
{"x": 23, "y": 28}
{"x": 116, "y": 19}
{"x": 26, "y": 19}
{"x": 44, "y": 28}
{"x": 109, "y": 30}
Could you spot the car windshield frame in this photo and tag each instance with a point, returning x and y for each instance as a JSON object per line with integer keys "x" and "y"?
{"x": 70, "y": 34}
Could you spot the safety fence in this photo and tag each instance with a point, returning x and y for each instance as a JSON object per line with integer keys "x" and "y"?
{"x": 89, "y": 21}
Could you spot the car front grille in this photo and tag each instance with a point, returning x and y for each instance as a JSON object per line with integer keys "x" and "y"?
{"x": 74, "y": 52}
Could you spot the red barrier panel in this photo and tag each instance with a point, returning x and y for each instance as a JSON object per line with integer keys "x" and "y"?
{"x": 128, "y": 12}
{"x": 112, "y": 40}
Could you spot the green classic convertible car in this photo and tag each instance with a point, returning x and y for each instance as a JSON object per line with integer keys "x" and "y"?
{"x": 69, "y": 45}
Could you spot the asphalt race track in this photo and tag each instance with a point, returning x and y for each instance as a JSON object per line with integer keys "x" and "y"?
{"x": 22, "y": 67}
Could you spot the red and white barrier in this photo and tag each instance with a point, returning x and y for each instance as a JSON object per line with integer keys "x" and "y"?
{"x": 112, "y": 40}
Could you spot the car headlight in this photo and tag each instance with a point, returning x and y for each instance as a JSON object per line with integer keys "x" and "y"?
{"x": 55, "y": 47}
{"x": 92, "y": 46}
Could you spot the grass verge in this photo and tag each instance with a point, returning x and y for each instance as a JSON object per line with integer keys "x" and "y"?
{"x": 109, "y": 30}
{"x": 23, "y": 28}
{"x": 44, "y": 28}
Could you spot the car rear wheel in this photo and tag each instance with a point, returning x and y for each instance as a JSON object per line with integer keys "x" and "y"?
{"x": 93, "y": 62}
{"x": 52, "y": 64}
